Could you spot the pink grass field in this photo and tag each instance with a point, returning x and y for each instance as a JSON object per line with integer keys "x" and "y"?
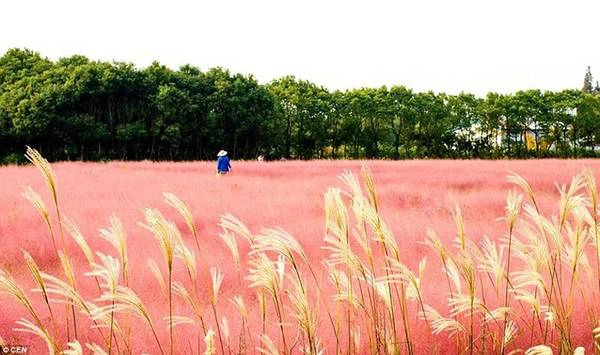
{"x": 414, "y": 196}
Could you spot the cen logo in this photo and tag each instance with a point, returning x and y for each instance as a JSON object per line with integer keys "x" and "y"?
{"x": 13, "y": 349}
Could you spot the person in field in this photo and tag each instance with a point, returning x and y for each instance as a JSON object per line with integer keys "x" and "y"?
{"x": 223, "y": 164}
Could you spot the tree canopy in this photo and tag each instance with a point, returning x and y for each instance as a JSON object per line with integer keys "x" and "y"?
{"x": 76, "y": 108}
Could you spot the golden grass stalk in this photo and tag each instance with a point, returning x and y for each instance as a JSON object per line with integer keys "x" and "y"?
{"x": 184, "y": 211}
{"x": 239, "y": 304}
{"x": 264, "y": 275}
{"x": 35, "y": 199}
{"x": 10, "y": 287}
{"x": 39, "y": 280}
{"x": 74, "y": 348}
{"x": 67, "y": 266}
{"x": 155, "y": 270}
{"x": 440, "y": 324}
{"x": 167, "y": 235}
{"x": 108, "y": 272}
{"x": 209, "y": 341}
{"x": 590, "y": 180}
{"x": 216, "y": 280}
{"x": 513, "y": 206}
{"x": 305, "y": 315}
{"x": 180, "y": 320}
{"x": 231, "y": 243}
{"x": 180, "y": 290}
{"x": 230, "y": 223}
{"x": 126, "y": 301}
{"x": 48, "y": 174}
{"x": 38, "y": 330}
{"x": 187, "y": 257}
{"x": 539, "y": 350}
{"x": 78, "y": 237}
{"x": 95, "y": 349}
{"x": 268, "y": 347}
{"x": 116, "y": 236}
{"x": 226, "y": 333}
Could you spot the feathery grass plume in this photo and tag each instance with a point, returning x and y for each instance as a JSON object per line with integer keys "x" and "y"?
{"x": 341, "y": 254}
{"x": 187, "y": 257}
{"x": 216, "y": 277}
{"x": 231, "y": 244}
{"x": 590, "y": 180}
{"x": 491, "y": 261}
{"x": 184, "y": 211}
{"x": 513, "y": 206}
{"x": 167, "y": 235}
{"x": 336, "y": 214}
{"x": 345, "y": 291}
{"x": 163, "y": 231}
{"x": 239, "y": 304}
{"x": 539, "y": 350}
{"x": 462, "y": 303}
{"x": 495, "y": 315}
{"x": 356, "y": 340}
{"x": 179, "y": 320}
{"x": 109, "y": 272}
{"x": 401, "y": 273}
{"x": 46, "y": 170}
{"x": 232, "y": 224}
{"x": 70, "y": 296}
{"x": 370, "y": 185}
{"x": 226, "y": 333}
{"x": 268, "y": 347}
{"x": 40, "y": 331}
{"x": 440, "y": 324}
{"x": 126, "y": 301}
{"x": 96, "y": 349}
{"x": 281, "y": 242}
{"x": 525, "y": 296}
{"x": 78, "y": 237}
{"x": 460, "y": 227}
{"x": 37, "y": 277}
{"x": 217, "y": 280}
{"x": 67, "y": 267}
{"x": 180, "y": 290}
{"x": 9, "y": 286}
{"x": 510, "y": 332}
{"x": 263, "y": 275}
{"x": 209, "y": 341}
{"x": 107, "y": 320}
{"x": 37, "y": 202}
{"x": 516, "y": 179}
{"x": 75, "y": 348}
{"x": 569, "y": 198}
{"x": 116, "y": 236}
{"x": 305, "y": 316}
{"x": 155, "y": 270}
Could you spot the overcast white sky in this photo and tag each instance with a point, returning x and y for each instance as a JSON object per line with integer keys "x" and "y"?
{"x": 442, "y": 45}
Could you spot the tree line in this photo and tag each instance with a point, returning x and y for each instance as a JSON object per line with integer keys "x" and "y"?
{"x": 78, "y": 109}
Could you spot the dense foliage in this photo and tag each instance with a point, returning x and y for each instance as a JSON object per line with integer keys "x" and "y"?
{"x": 76, "y": 108}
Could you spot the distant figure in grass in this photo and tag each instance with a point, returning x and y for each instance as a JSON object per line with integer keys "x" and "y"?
{"x": 223, "y": 164}
{"x": 261, "y": 158}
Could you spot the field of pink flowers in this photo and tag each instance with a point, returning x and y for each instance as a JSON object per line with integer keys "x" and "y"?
{"x": 414, "y": 196}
